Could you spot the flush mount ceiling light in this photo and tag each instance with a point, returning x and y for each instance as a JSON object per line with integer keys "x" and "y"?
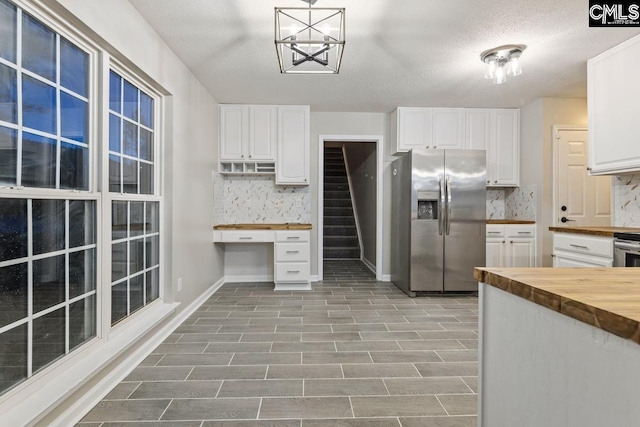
{"x": 502, "y": 61}
{"x": 309, "y": 40}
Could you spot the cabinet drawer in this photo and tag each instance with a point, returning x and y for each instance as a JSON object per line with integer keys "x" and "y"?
{"x": 523, "y": 231}
{"x": 292, "y": 252}
{"x": 494, "y": 230}
{"x": 292, "y": 236}
{"x": 591, "y": 245}
{"x": 249, "y": 236}
{"x": 292, "y": 272}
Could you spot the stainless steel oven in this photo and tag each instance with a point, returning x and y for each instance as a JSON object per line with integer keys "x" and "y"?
{"x": 626, "y": 250}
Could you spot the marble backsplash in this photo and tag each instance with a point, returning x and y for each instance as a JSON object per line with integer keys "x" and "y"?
{"x": 626, "y": 200}
{"x": 512, "y": 203}
{"x": 256, "y": 199}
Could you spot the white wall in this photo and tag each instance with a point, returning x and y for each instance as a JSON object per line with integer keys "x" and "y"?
{"x": 536, "y": 157}
{"x": 361, "y": 158}
{"x": 323, "y": 123}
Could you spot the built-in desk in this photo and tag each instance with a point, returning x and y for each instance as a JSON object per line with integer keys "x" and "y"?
{"x": 291, "y": 249}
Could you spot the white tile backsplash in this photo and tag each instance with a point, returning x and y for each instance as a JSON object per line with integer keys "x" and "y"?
{"x": 626, "y": 200}
{"x": 496, "y": 207}
{"x": 256, "y": 199}
{"x": 521, "y": 202}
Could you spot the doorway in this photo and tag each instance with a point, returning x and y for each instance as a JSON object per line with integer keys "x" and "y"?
{"x": 349, "y": 207}
{"x": 579, "y": 199}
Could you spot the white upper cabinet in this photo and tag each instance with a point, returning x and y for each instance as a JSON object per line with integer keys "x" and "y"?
{"x": 614, "y": 109}
{"x": 292, "y": 165}
{"x": 263, "y": 132}
{"x": 498, "y": 132}
{"x": 504, "y": 148}
{"x": 248, "y": 132}
{"x": 234, "y": 132}
{"x": 413, "y": 128}
{"x": 447, "y": 128}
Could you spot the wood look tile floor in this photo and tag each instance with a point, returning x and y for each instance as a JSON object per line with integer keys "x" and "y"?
{"x": 350, "y": 353}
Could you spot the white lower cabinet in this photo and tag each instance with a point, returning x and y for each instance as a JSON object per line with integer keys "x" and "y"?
{"x": 292, "y": 260}
{"x": 577, "y": 250}
{"x": 511, "y": 246}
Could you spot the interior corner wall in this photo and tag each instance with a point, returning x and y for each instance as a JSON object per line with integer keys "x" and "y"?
{"x": 362, "y": 161}
{"x": 536, "y": 158}
{"x": 330, "y": 123}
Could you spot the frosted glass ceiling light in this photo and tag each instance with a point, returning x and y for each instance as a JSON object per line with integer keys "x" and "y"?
{"x": 502, "y": 61}
{"x": 309, "y": 40}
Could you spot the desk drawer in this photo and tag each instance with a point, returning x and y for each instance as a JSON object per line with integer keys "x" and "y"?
{"x": 494, "y": 230}
{"x": 591, "y": 245}
{"x": 292, "y": 252}
{"x": 292, "y": 236}
{"x": 248, "y": 236}
{"x": 292, "y": 272}
{"x": 521, "y": 231}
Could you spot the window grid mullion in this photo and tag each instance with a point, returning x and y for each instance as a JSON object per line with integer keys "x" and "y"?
{"x": 122, "y": 137}
{"x": 19, "y": 96}
{"x": 128, "y": 259}
{"x": 58, "y": 113}
{"x": 66, "y": 277}
{"x": 29, "y": 288}
{"x": 144, "y": 253}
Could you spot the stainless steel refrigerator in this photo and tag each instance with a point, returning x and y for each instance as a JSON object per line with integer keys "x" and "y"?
{"x": 438, "y": 220}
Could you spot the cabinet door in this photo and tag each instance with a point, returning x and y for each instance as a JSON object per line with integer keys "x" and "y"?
{"x": 233, "y": 132}
{"x": 567, "y": 261}
{"x": 477, "y": 134}
{"x": 495, "y": 253}
{"x": 505, "y": 147}
{"x": 447, "y": 128}
{"x": 414, "y": 128}
{"x": 262, "y": 132}
{"x": 614, "y": 108}
{"x": 522, "y": 253}
{"x": 292, "y": 166}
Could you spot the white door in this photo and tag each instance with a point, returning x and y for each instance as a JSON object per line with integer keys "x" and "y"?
{"x": 522, "y": 253}
{"x": 495, "y": 253}
{"x": 447, "y": 128}
{"x": 262, "y": 132}
{"x": 233, "y": 132}
{"x": 582, "y": 199}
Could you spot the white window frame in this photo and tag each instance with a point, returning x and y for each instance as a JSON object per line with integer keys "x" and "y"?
{"x": 112, "y": 64}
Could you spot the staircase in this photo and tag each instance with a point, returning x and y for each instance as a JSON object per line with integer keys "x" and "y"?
{"x": 340, "y": 233}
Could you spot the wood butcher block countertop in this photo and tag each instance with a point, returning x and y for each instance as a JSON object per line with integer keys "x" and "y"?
{"x": 283, "y": 226}
{"x": 595, "y": 231}
{"x": 607, "y": 298}
{"x": 510, "y": 221}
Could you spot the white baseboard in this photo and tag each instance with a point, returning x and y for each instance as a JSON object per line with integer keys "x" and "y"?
{"x": 369, "y": 264}
{"x": 292, "y": 287}
{"x": 386, "y": 277}
{"x": 248, "y": 278}
{"x": 314, "y": 278}
{"x": 82, "y": 406}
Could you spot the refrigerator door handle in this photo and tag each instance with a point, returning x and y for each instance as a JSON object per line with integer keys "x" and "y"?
{"x": 448, "y": 223}
{"x": 441, "y": 203}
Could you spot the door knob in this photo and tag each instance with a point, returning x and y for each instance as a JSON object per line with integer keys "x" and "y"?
{"x": 565, "y": 219}
{"x": 563, "y": 209}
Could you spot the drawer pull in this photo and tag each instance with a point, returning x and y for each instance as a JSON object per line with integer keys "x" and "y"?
{"x": 293, "y": 252}
{"x": 524, "y": 232}
{"x": 246, "y": 238}
{"x": 493, "y": 232}
{"x": 579, "y": 246}
{"x": 293, "y": 271}
{"x": 293, "y": 237}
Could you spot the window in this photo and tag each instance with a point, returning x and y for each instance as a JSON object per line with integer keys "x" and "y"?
{"x": 131, "y": 139}
{"x": 135, "y": 256}
{"x": 44, "y": 105}
{"x": 47, "y": 282}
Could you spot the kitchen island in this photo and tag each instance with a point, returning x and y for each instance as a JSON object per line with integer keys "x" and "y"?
{"x": 559, "y": 347}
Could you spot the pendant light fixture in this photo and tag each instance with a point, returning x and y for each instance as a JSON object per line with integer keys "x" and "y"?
{"x": 502, "y": 61}
{"x": 309, "y": 40}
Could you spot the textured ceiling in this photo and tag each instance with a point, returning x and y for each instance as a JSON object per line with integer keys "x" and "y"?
{"x": 398, "y": 52}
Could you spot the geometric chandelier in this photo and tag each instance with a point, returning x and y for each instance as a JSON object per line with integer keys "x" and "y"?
{"x": 502, "y": 61}
{"x": 309, "y": 40}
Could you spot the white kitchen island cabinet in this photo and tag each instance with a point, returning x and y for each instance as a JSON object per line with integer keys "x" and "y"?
{"x": 559, "y": 348}
{"x": 614, "y": 108}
